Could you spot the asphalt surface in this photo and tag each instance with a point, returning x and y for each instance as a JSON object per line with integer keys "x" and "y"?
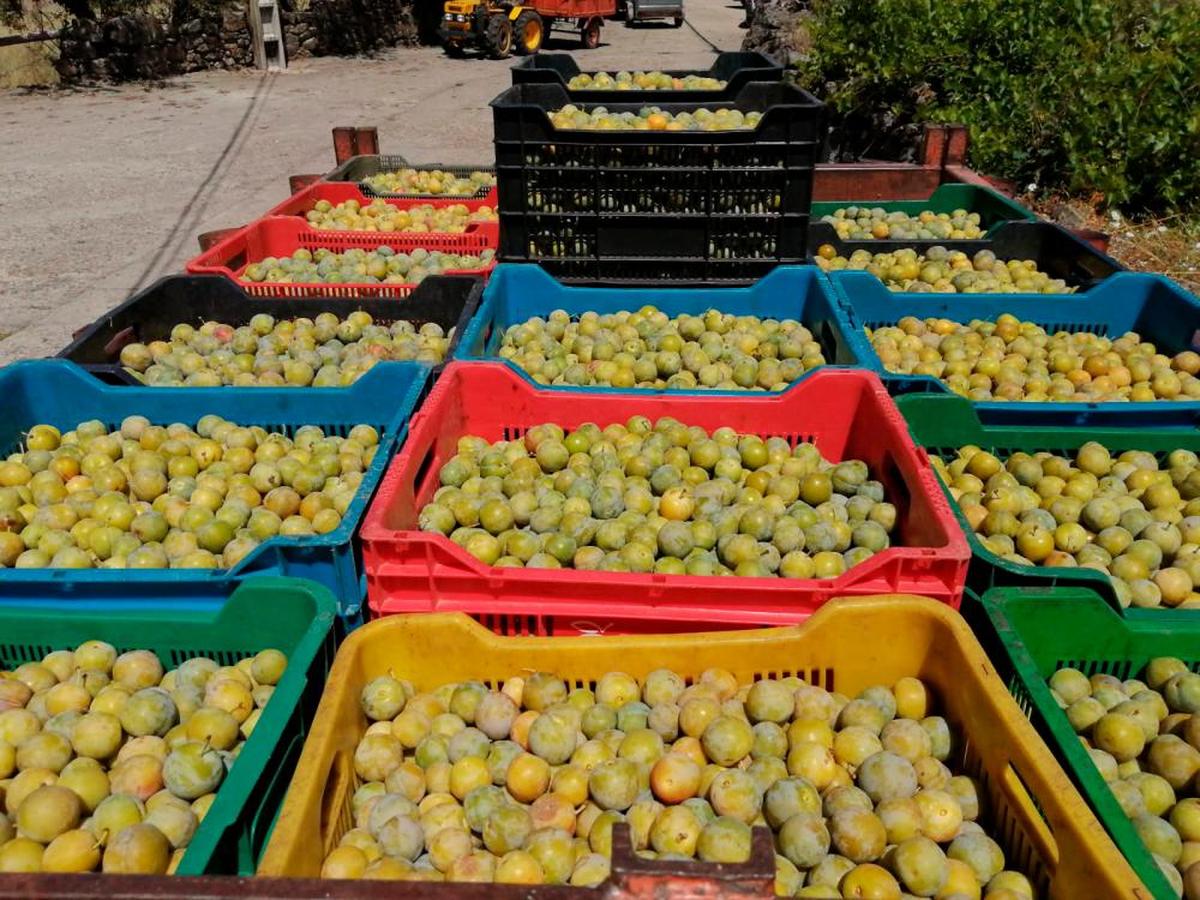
{"x": 104, "y": 190}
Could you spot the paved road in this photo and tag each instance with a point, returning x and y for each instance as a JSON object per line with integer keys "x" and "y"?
{"x": 105, "y": 190}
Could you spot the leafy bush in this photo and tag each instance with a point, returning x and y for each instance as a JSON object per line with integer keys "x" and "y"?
{"x": 1088, "y": 95}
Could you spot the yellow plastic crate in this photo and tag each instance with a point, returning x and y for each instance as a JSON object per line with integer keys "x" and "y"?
{"x": 1045, "y": 827}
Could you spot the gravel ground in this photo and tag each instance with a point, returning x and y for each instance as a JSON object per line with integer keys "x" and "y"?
{"x": 105, "y": 189}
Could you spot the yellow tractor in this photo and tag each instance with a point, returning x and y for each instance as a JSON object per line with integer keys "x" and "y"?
{"x": 498, "y": 29}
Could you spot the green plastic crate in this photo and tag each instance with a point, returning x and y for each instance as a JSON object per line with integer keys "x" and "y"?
{"x": 289, "y": 614}
{"x": 1029, "y": 633}
{"x": 992, "y": 206}
{"x": 941, "y": 423}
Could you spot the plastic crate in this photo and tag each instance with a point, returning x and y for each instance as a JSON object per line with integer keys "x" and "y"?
{"x": 358, "y": 169}
{"x": 282, "y": 236}
{"x": 149, "y": 315}
{"x": 845, "y": 412}
{"x": 1031, "y": 633}
{"x": 1154, "y": 306}
{"x": 339, "y": 192}
{"x": 943, "y": 424}
{"x": 1043, "y": 824}
{"x": 1056, "y": 251}
{"x": 654, "y": 250}
{"x": 59, "y": 393}
{"x": 639, "y": 206}
{"x": 993, "y": 207}
{"x": 734, "y": 68}
{"x": 516, "y": 293}
{"x": 524, "y": 135}
{"x": 300, "y": 623}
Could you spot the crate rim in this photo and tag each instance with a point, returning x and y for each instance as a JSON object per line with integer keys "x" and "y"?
{"x": 943, "y": 189}
{"x": 755, "y": 66}
{"x": 307, "y": 193}
{"x": 211, "y": 261}
{"x": 1013, "y": 226}
{"x": 803, "y": 100}
{"x": 394, "y": 160}
{"x": 767, "y": 62}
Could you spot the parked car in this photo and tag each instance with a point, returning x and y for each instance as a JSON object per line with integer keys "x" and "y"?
{"x": 644, "y": 10}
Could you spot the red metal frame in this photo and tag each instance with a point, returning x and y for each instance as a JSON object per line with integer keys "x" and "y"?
{"x": 943, "y": 160}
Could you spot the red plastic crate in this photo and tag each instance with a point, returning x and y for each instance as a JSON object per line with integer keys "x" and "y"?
{"x": 281, "y": 236}
{"x": 845, "y": 412}
{"x": 340, "y": 191}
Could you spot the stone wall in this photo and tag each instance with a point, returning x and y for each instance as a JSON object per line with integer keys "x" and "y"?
{"x": 777, "y": 29}
{"x": 141, "y": 46}
{"x": 348, "y": 27}
{"x": 144, "y": 46}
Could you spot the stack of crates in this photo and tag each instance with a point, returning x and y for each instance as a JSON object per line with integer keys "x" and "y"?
{"x": 621, "y": 221}
{"x": 671, "y": 207}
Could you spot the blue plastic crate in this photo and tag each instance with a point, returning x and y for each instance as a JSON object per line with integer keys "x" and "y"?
{"x": 59, "y": 393}
{"x": 1155, "y": 307}
{"x": 515, "y": 293}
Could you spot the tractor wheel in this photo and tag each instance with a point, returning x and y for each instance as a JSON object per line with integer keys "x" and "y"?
{"x": 530, "y": 33}
{"x": 498, "y": 36}
{"x": 590, "y": 34}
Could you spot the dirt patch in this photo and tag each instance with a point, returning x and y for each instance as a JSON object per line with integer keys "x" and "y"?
{"x": 1168, "y": 245}
{"x": 214, "y": 149}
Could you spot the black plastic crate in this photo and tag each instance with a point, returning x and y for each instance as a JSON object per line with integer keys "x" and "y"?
{"x": 735, "y": 69}
{"x": 359, "y": 168}
{"x": 643, "y": 206}
{"x": 149, "y": 315}
{"x": 525, "y": 135}
{"x": 1056, "y": 251}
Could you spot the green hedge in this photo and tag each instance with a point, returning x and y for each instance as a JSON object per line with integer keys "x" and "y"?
{"x": 1088, "y": 95}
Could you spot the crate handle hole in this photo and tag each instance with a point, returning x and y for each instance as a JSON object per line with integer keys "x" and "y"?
{"x": 334, "y": 799}
{"x": 827, "y": 338}
{"x": 238, "y": 261}
{"x": 1014, "y": 787}
{"x": 422, "y": 474}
